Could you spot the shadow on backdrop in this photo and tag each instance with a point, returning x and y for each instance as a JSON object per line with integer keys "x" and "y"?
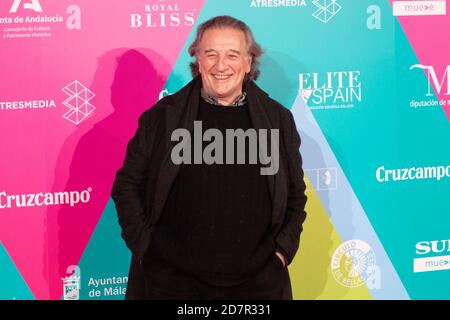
{"x": 127, "y": 80}
{"x": 314, "y": 255}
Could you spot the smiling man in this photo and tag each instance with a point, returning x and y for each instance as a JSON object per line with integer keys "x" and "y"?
{"x": 223, "y": 61}
{"x": 213, "y": 229}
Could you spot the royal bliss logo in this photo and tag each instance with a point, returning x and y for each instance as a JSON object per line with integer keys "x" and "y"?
{"x": 162, "y": 14}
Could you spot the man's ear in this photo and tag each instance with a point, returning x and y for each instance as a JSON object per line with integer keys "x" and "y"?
{"x": 199, "y": 67}
{"x": 249, "y": 61}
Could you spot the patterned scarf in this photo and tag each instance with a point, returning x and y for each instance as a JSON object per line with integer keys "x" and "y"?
{"x": 239, "y": 101}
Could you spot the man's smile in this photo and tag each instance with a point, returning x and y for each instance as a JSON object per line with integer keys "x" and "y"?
{"x": 222, "y": 76}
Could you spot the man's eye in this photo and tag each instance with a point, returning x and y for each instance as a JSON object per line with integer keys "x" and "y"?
{"x": 232, "y": 57}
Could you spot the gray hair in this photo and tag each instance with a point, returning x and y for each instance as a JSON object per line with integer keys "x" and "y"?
{"x": 253, "y": 48}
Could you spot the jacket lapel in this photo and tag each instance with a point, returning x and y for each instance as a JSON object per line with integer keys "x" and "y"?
{"x": 259, "y": 120}
{"x": 257, "y": 102}
{"x": 180, "y": 115}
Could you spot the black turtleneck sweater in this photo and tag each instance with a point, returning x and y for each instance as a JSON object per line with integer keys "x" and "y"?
{"x": 217, "y": 218}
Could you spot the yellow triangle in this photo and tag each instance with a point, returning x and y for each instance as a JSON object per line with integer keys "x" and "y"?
{"x": 310, "y": 271}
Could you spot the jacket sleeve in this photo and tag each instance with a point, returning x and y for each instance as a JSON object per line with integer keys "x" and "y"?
{"x": 288, "y": 239}
{"x": 129, "y": 191}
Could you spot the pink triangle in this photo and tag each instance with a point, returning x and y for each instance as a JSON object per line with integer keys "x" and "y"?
{"x": 429, "y": 37}
{"x": 50, "y": 153}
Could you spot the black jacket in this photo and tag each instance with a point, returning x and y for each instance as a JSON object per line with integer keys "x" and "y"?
{"x": 143, "y": 183}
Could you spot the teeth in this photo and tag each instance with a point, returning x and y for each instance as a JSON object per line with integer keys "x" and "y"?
{"x": 221, "y": 77}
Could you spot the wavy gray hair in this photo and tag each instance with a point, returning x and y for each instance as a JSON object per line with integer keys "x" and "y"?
{"x": 253, "y": 48}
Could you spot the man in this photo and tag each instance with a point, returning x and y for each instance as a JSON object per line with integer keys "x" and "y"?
{"x": 201, "y": 219}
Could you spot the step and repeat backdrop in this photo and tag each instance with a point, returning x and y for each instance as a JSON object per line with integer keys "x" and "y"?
{"x": 368, "y": 83}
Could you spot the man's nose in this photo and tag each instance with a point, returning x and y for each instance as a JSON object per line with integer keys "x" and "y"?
{"x": 221, "y": 64}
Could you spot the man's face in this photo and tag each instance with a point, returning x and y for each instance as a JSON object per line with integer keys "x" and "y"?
{"x": 223, "y": 61}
